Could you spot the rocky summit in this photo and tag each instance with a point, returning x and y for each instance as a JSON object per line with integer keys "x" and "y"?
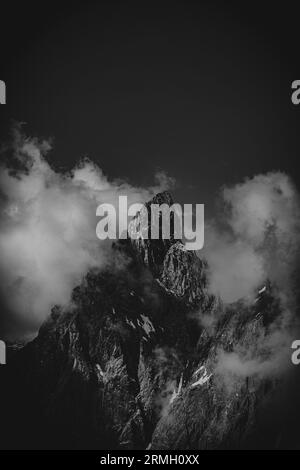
{"x": 138, "y": 361}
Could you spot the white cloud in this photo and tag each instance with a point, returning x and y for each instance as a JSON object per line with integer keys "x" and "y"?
{"x": 257, "y": 239}
{"x": 48, "y": 220}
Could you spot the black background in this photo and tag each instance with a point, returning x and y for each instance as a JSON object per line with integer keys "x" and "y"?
{"x": 200, "y": 90}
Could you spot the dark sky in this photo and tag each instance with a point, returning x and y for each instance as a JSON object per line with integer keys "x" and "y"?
{"x": 199, "y": 91}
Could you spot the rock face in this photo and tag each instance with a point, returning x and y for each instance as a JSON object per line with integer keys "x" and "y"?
{"x": 149, "y": 251}
{"x": 133, "y": 364}
{"x": 183, "y": 274}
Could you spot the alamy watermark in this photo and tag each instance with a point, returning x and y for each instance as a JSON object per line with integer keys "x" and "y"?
{"x": 152, "y": 221}
{"x": 2, "y": 92}
{"x": 2, "y": 352}
{"x": 295, "y": 97}
{"x": 296, "y": 354}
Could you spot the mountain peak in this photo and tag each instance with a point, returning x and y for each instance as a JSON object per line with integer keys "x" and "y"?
{"x": 164, "y": 197}
{"x": 152, "y": 251}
